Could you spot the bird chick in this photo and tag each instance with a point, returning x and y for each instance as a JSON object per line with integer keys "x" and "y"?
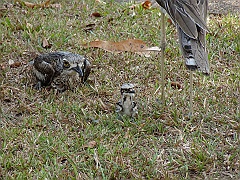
{"x": 57, "y": 69}
{"x": 126, "y": 105}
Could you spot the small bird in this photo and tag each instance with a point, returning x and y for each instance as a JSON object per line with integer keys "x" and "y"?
{"x": 57, "y": 69}
{"x": 126, "y": 105}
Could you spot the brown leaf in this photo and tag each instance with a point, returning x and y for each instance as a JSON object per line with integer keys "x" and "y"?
{"x": 169, "y": 21}
{"x": 15, "y": 64}
{"x": 132, "y": 45}
{"x": 96, "y": 14}
{"x": 30, "y": 5}
{"x": 45, "y": 44}
{"x": 45, "y": 4}
{"x": 41, "y": 5}
{"x": 147, "y": 5}
{"x": 2, "y": 66}
{"x": 176, "y": 85}
{"x": 90, "y": 144}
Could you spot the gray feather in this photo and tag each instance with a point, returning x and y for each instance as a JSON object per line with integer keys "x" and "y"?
{"x": 190, "y": 19}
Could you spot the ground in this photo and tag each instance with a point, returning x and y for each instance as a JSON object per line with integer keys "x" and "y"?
{"x": 76, "y": 134}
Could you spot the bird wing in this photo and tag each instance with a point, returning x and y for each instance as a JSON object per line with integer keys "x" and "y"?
{"x": 44, "y": 71}
{"x": 119, "y": 107}
{"x": 186, "y": 14}
{"x": 190, "y": 18}
{"x": 134, "y": 109}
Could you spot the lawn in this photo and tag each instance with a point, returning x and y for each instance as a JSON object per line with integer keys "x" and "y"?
{"x": 76, "y": 134}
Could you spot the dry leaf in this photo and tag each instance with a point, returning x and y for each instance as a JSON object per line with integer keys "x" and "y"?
{"x": 96, "y": 14}
{"x": 30, "y": 5}
{"x": 41, "y": 5}
{"x": 45, "y": 4}
{"x": 14, "y": 64}
{"x": 45, "y": 43}
{"x": 176, "y": 85}
{"x": 147, "y": 5}
{"x": 2, "y": 66}
{"x": 169, "y": 21}
{"x": 90, "y": 144}
{"x": 132, "y": 45}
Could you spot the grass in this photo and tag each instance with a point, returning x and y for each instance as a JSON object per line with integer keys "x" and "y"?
{"x": 49, "y": 136}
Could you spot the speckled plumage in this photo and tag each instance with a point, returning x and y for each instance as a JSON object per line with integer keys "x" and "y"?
{"x": 59, "y": 68}
{"x": 126, "y": 105}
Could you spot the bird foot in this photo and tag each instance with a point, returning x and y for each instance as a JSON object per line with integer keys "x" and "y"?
{"x": 38, "y": 86}
{"x": 190, "y": 115}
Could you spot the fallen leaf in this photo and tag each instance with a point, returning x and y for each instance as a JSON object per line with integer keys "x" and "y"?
{"x": 44, "y": 4}
{"x": 96, "y": 14}
{"x": 2, "y": 66}
{"x": 176, "y": 85}
{"x": 147, "y": 5}
{"x": 169, "y": 21}
{"x": 15, "y": 64}
{"x": 131, "y": 45}
{"x": 90, "y": 144}
{"x": 45, "y": 44}
{"x": 30, "y": 5}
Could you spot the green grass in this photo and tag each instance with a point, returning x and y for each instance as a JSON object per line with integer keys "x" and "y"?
{"x": 46, "y": 136}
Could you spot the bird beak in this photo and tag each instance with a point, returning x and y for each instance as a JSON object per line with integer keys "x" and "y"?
{"x": 78, "y": 70}
{"x": 132, "y": 91}
{"x": 129, "y": 91}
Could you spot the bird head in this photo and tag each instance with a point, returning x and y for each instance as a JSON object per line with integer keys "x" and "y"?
{"x": 127, "y": 89}
{"x": 71, "y": 67}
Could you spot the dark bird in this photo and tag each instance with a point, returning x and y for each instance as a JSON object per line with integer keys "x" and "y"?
{"x": 126, "y": 105}
{"x": 57, "y": 69}
{"x": 190, "y": 18}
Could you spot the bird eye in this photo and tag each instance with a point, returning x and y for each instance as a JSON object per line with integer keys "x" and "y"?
{"x": 66, "y": 64}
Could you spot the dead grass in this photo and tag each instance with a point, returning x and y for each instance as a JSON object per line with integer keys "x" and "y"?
{"x": 44, "y": 135}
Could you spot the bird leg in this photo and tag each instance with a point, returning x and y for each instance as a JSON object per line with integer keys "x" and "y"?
{"x": 38, "y": 86}
{"x": 163, "y": 46}
{"x": 191, "y": 95}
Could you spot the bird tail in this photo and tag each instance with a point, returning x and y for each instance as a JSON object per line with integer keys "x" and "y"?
{"x": 194, "y": 51}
